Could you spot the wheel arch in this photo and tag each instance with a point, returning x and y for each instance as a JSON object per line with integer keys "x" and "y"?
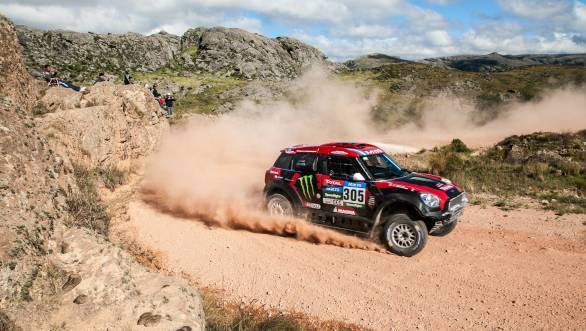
{"x": 285, "y": 190}
{"x": 396, "y": 206}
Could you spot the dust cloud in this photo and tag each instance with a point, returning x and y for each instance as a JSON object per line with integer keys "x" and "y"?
{"x": 446, "y": 118}
{"x": 212, "y": 168}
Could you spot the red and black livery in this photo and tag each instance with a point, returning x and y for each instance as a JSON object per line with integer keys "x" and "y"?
{"x": 357, "y": 187}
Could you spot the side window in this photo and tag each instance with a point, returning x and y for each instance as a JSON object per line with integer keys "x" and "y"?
{"x": 341, "y": 167}
{"x": 284, "y": 161}
{"x": 305, "y": 162}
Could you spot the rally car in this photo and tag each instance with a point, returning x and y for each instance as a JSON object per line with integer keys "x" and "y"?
{"x": 358, "y": 188}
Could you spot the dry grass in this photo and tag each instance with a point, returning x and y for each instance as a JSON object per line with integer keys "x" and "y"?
{"x": 221, "y": 315}
{"x": 112, "y": 177}
{"x": 84, "y": 206}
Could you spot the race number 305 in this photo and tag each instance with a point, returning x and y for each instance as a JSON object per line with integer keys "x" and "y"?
{"x": 354, "y": 192}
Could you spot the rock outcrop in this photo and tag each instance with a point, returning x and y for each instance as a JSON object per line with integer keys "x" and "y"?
{"x": 240, "y": 53}
{"x": 16, "y": 87}
{"x": 112, "y": 125}
{"x": 54, "y": 275}
{"x": 371, "y": 61}
{"x": 221, "y": 51}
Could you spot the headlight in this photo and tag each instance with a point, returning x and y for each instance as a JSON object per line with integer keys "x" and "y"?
{"x": 430, "y": 200}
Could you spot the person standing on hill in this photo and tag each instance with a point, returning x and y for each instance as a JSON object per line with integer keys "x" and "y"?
{"x": 52, "y": 78}
{"x": 127, "y": 78}
{"x": 169, "y": 100}
{"x": 156, "y": 93}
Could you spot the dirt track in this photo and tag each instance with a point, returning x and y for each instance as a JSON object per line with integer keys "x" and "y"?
{"x": 522, "y": 269}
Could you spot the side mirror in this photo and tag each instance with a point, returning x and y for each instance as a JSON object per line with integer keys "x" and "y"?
{"x": 357, "y": 177}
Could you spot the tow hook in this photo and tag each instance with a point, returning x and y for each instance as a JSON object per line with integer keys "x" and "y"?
{"x": 436, "y": 226}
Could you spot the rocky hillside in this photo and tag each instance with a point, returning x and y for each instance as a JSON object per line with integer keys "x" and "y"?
{"x": 497, "y": 62}
{"x": 220, "y": 51}
{"x": 371, "y": 61}
{"x": 58, "y": 270}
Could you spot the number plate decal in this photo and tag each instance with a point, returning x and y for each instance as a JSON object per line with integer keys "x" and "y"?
{"x": 354, "y": 194}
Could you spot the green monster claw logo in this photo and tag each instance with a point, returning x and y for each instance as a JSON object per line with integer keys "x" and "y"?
{"x": 306, "y": 183}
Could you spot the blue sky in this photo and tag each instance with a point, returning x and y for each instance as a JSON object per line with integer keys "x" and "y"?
{"x": 342, "y": 29}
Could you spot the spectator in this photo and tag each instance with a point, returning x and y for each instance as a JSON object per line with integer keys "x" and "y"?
{"x": 101, "y": 78}
{"x": 169, "y": 100}
{"x": 156, "y": 93}
{"x": 127, "y": 78}
{"x": 51, "y": 76}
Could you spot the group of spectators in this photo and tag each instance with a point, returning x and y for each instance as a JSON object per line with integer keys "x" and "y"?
{"x": 165, "y": 102}
{"x": 51, "y": 76}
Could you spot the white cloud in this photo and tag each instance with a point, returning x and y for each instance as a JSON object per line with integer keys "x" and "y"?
{"x": 538, "y": 9}
{"x": 366, "y": 31}
{"x": 439, "y": 38}
{"x": 342, "y": 29}
{"x": 443, "y": 2}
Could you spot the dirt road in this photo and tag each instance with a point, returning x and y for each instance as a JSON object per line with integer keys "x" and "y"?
{"x": 523, "y": 269}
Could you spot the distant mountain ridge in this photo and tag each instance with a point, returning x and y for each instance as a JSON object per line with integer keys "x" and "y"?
{"x": 474, "y": 63}
{"x": 498, "y": 62}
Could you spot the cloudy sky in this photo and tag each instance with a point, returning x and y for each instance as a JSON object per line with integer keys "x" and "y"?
{"x": 342, "y": 29}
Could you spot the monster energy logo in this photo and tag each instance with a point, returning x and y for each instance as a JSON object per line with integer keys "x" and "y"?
{"x": 306, "y": 183}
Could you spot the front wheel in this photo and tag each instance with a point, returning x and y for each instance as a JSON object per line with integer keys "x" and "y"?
{"x": 279, "y": 205}
{"x": 404, "y": 236}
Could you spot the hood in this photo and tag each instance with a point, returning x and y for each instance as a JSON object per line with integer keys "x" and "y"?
{"x": 418, "y": 182}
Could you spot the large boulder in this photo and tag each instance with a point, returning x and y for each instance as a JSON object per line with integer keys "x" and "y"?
{"x": 248, "y": 55}
{"x": 112, "y": 125}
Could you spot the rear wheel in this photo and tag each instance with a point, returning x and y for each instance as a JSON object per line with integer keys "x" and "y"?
{"x": 404, "y": 236}
{"x": 279, "y": 205}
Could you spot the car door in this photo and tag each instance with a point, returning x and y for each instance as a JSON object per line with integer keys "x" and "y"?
{"x": 305, "y": 181}
{"x": 341, "y": 194}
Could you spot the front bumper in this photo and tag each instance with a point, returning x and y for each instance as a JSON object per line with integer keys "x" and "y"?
{"x": 454, "y": 211}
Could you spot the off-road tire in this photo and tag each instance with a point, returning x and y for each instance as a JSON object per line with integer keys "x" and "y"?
{"x": 279, "y": 205}
{"x": 410, "y": 236}
{"x": 445, "y": 230}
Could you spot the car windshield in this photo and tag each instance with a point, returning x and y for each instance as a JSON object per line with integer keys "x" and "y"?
{"x": 382, "y": 166}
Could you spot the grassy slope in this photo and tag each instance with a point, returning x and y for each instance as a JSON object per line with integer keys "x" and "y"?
{"x": 190, "y": 102}
{"x": 549, "y": 167}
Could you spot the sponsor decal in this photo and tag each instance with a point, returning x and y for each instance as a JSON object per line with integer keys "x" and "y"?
{"x": 275, "y": 171}
{"x": 393, "y": 185}
{"x": 371, "y": 201}
{"x": 333, "y": 189}
{"x": 333, "y": 195}
{"x": 335, "y": 202}
{"x": 354, "y": 194}
{"x": 373, "y": 151}
{"x": 307, "y": 189}
{"x": 312, "y": 205}
{"x": 355, "y": 184}
{"x": 446, "y": 187}
{"x": 334, "y": 182}
{"x": 353, "y": 205}
{"x": 343, "y": 210}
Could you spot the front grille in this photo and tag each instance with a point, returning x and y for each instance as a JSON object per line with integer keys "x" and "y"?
{"x": 458, "y": 203}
